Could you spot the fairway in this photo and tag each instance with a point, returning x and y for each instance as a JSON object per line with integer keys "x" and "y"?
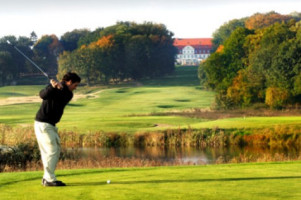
{"x": 133, "y": 107}
{"x": 19, "y": 91}
{"x": 264, "y": 181}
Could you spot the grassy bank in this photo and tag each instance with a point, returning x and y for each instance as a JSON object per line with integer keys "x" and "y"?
{"x": 275, "y": 144}
{"x": 278, "y": 136}
{"x": 265, "y": 181}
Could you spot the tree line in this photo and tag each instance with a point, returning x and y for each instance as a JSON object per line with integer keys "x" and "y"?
{"x": 256, "y": 60}
{"x": 124, "y": 51}
{"x": 13, "y": 65}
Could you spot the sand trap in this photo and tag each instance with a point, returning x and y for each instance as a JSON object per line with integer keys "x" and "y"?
{"x": 19, "y": 100}
{"x": 162, "y": 125}
{"x": 37, "y": 99}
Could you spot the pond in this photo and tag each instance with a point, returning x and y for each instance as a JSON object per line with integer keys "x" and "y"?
{"x": 188, "y": 155}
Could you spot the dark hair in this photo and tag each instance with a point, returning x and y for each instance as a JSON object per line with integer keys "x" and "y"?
{"x": 71, "y": 76}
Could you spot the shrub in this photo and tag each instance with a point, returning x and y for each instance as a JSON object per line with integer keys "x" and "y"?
{"x": 19, "y": 157}
{"x": 276, "y": 97}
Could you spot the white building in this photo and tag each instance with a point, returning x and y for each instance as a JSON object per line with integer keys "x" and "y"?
{"x": 191, "y": 51}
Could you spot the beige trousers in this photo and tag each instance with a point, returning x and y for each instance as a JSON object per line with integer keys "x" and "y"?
{"x": 49, "y": 144}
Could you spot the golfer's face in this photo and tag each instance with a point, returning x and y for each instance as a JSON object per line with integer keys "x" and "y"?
{"x": 72, "y": 86}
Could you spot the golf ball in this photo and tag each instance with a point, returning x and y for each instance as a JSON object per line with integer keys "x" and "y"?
{"x": 108, "y": 181}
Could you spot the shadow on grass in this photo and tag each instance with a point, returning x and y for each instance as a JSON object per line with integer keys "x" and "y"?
{"x": 184, "y": 181}
{"x": 77, "y": 184}
{"x": 166, "y": 106}
{"x": 39, "y": 177}
{"x": 75, "y": 105}
{"x": 18, "y": 181}
{"x": 12, "y": 94}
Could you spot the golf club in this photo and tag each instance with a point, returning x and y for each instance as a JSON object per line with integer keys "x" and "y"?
{"x": 44, "y": 73}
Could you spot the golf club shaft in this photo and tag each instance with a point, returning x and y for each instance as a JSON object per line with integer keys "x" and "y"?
{"x": 44, "y": 73}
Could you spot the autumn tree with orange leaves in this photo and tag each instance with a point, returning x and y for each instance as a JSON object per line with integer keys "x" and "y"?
{"x": 125, "y": 51}
{"x": 261, "y": 64}
{"x": 46, "y": 51}
{"x": 260, "y": 20}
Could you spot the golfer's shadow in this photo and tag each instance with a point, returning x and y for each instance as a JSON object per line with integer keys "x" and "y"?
{"x": 183, "y": 181}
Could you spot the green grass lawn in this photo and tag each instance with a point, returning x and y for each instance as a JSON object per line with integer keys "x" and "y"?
{"x": 19, "y": 91}
{"x": 130, "y": 108}
{"x": 264, "y": 181}
{"x": 251, "y": 122}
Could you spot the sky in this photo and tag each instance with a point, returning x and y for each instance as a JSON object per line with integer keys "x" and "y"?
{"x": 185, "y": 18}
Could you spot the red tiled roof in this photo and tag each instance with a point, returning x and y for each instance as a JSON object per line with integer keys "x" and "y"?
{"x": 195, "y": 42}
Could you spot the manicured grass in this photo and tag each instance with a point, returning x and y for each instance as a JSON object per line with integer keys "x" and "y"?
{"x": 115, "y": 109}
{"x": 130, "y": 108}
{"x": 251, "y": 122}
{"x": 264, "y": 181}
{"x": 20, "y": 91}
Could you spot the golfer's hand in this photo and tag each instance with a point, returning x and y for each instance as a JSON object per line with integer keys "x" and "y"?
{"x": 56, "y": 84}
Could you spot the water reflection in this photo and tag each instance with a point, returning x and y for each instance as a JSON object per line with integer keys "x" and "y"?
{"x": 190, "y": 155}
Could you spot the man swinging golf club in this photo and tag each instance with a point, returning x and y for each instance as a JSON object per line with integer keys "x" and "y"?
{"x": 55, "y": 97}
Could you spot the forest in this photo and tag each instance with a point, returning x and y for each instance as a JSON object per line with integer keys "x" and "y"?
{"x": 256, "y": 60}
{"x": 124, "y": 51}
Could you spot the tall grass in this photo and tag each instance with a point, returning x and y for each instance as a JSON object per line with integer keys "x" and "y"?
{"x": 23, "y": 153}
{"x": 216, "y": 137}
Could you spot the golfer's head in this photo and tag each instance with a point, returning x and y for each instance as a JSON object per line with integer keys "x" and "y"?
{"x": 71, "y": 80}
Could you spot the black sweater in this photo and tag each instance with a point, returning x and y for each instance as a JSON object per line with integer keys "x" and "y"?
{"x": 54, "y": 102}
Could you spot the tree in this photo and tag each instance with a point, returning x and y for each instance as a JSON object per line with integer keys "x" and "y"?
{"x": 71, "y": 39}
{"x": 123, "y": 51}
{"x": 24, "y": 44}
{"x": 241, "y": 92}
{"x": 6, "y": 67}
{"x": 297, "y": 88}
{"x": 89, "y": 61}
{"x": 260, "y": 65}
{"x": 260, "y": 20}
{"x": 33, "y": 37}
{"x": 263, "y": 48}
{"x": 89, "y": 37}
{"x": 106, "y": 51}
{"x": 137, "y": 57}
{"x": 46, "y": 51}
{"x": 282, "y": 71}
{"x": 158, "y": 49}
{"x": 214, "y": 69}
{"x": 276, "y": 97}
{"x": 19, "y": 64}
{"x": 222, "y": 67}
{"x": 224, "y": 32}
